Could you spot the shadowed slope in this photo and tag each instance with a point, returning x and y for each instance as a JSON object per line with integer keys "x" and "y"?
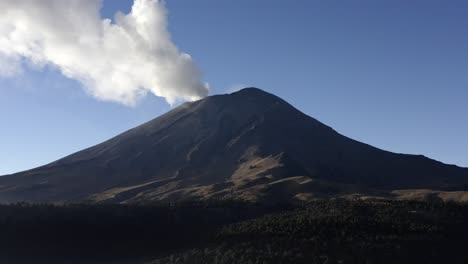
{"x": 244, "y": 144}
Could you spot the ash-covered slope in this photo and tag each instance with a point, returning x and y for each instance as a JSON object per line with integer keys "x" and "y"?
{"x": 249, "y": 144}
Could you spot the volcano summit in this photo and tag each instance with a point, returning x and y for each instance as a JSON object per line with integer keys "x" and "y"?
{"x": 250, "y": 145}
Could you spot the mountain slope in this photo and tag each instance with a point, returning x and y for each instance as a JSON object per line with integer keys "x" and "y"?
{"x": 249, "y": 144}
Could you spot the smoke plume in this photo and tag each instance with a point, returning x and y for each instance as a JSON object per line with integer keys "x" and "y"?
{"x": 115, "y": 61}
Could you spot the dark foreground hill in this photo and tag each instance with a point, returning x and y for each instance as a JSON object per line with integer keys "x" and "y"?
{"x": 326, "y": 231}
{"x": 250, "y": 145}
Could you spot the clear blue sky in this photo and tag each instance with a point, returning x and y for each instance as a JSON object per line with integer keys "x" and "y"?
{"x": 393, "y": 74}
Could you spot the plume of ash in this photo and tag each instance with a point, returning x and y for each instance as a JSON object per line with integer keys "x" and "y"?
{"x": 119, "y": 61}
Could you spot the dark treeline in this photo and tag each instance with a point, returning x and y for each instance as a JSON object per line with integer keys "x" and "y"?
{"x": 105, "y": 232}
{"x": 333, "y": 231}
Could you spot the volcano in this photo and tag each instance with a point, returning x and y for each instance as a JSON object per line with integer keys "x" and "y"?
{"x": 248, "y": 145}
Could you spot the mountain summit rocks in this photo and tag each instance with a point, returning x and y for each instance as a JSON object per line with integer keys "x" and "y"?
{"x": 250, "y": 145}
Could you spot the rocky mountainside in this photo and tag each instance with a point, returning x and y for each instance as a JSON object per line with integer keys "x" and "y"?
{"x": 249, "y": 144}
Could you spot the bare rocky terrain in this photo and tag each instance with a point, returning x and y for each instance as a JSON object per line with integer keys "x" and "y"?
{"x": 249, "y": 145}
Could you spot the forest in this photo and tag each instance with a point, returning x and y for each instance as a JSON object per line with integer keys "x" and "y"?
{"x": 323, "y": 231}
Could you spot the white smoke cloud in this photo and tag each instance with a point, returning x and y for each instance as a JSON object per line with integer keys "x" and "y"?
{"x": 119, "y": 61}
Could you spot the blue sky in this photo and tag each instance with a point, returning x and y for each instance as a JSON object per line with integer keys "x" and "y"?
{"x": 393, "y": 74}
